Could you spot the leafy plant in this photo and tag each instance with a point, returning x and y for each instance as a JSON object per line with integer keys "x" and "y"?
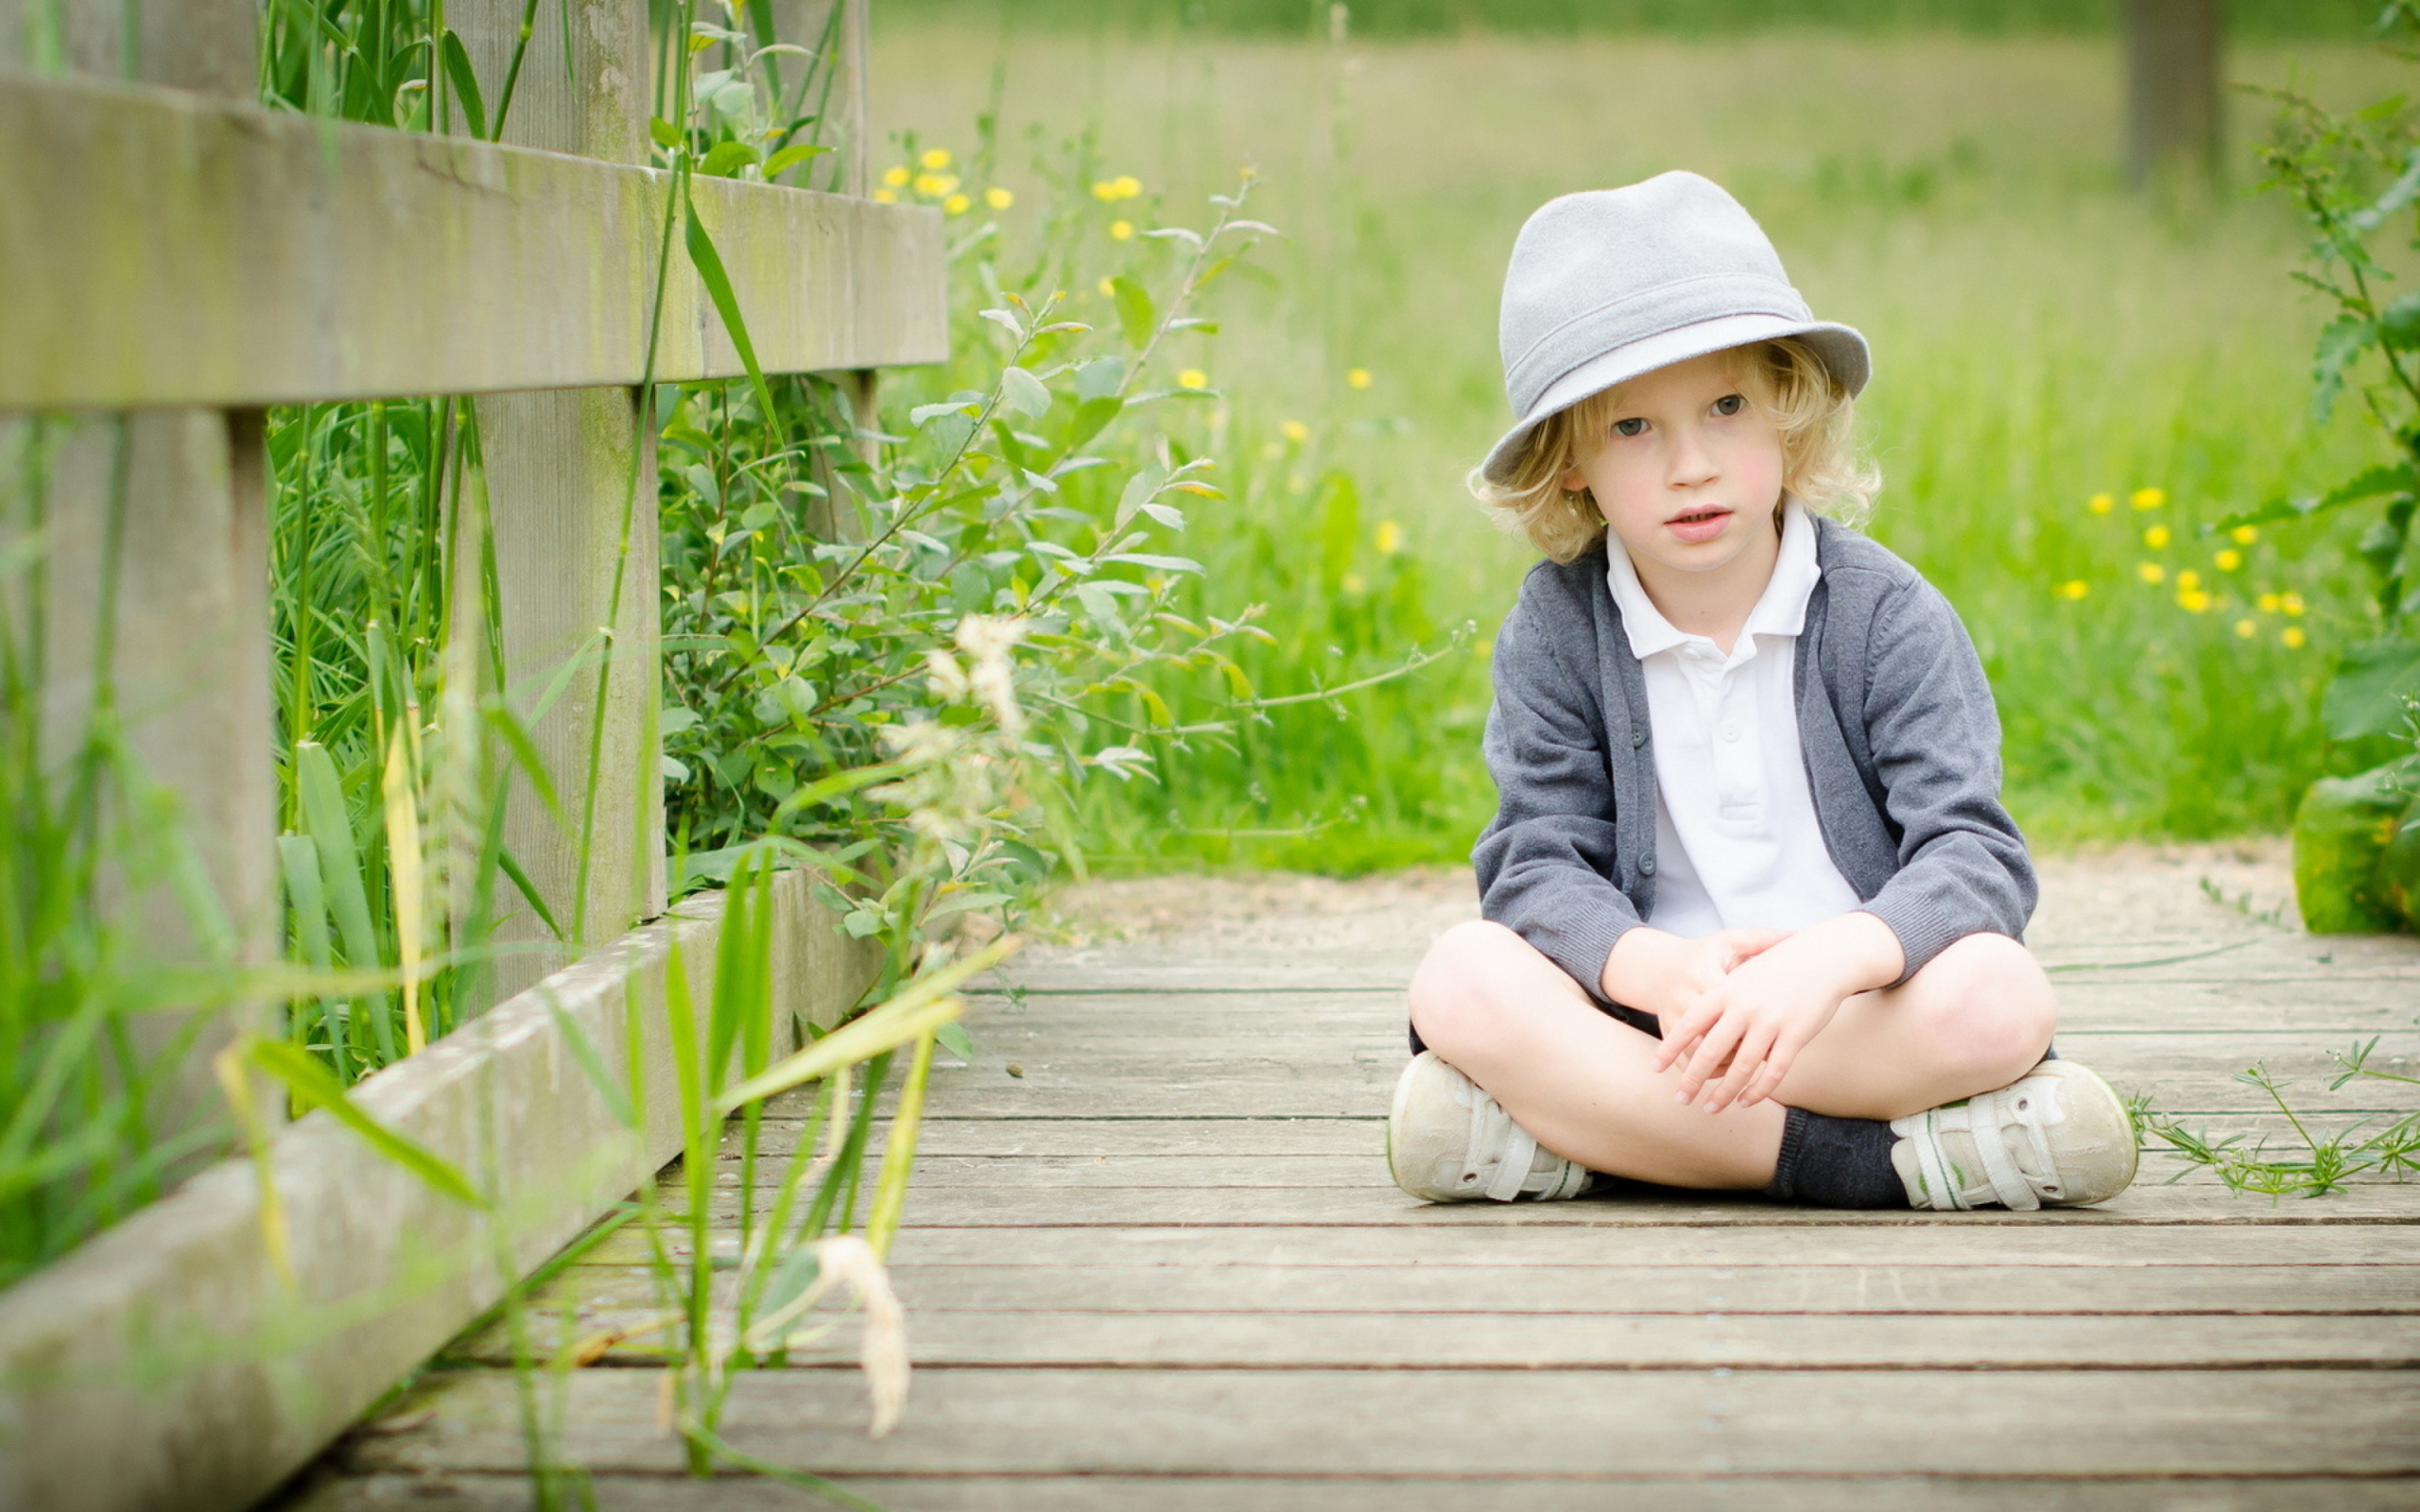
{"x": 2329, "y": 1157}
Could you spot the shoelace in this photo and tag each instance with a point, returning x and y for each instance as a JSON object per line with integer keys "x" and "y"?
{"x": 2028, "y": 1106}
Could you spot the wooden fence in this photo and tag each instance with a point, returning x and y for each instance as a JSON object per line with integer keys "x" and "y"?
{"x": 170, "y": 251}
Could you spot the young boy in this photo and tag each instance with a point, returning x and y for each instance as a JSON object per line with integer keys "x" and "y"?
{"x": 1752, "y": 904}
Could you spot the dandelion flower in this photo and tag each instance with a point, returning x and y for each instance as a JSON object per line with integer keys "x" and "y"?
{"x": 2156, "y": 537}
{"x": 2228, "y": 559}
{"x": 1121, "y": 230}
{"x": 1358, "y": 378}
{"x": 1295, "y": 431}
{"x": 2291, "y": 603}
{"x": 2189, "y": 580}
{"x": 1104, "y": 190}
{"x": 1354, "y": 583}
{"x": 2147, "y": 498}
{"x": 2293, "y": 638}
{"x": 2101, "y": 503}
{"x": 2073, "y": 589}
{"x": 1390, "y": 537}
{"x": 2246, "y": 629}
{"x": 935, "y": 159}
{"x": 886, "y": 197}
{"x": 895, "y": 178}
{"x": 2244, "y": 535}
{"x": 957, "y": 205}
{"x": 1108, "y": 286}
{"x": 2269, "y": 603}
{"x": 1126, "y": 185}
{"x": 1193, "y": 378}
{"x": 2193, "y": 601}
{"x": 2151, "y": 572}
{"x": 999, "y": 199}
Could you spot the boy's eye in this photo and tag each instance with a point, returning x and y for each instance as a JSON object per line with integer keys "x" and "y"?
{"x": 1633, "y": 426}
{"x": 1730, "y": 405}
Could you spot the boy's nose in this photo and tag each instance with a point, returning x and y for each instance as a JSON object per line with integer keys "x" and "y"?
{"x": 1691, "y": 463}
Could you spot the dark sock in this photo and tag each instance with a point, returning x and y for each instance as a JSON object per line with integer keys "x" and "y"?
{"x": 1836, "y": 1162}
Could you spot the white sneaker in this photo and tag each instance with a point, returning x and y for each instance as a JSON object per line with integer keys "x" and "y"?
{"x": 1449, "y": 1142}
{"x": 2057, "y": 1136}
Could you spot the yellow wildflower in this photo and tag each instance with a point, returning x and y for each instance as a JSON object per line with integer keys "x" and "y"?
{"x": 1484, "y": 648}
{"x": 2228, "y": 559}
{"x": 2074, "y": 588}
{"x": 2156, "y": 537}
{"x": 1295, "y": 431}
{"x": 957, "y": 205}
{"x": 895, "y": 178}
{"x": 2193, "y": 601}
{"x": 1193, "y": 378}
{"x": 2268, "y": 603}
{"x": 2246, "y": 629}
{"x": 1358, "y": 378}
{"x": 2151, "y": 572}
{"x": 1104, "y": 190}
{"x": 935, "y": 159}
{"x": 2293, "y": 637}
{"x": 886, "y": 197}
{"x": 1388, "y": 539}
{"x": 2101, "y": 503}
{"x": 1121, "y": 230}
{"x": 2189, "y": 579}
{"x": 1108, "y": 285}
{"x": 2291, "y": 603}
{"x": 2244, "y": 535}
{"x": 2147, "y": 498}
{"x": 1127, "y": 186}
{"x": 1354, "y": 583}
{"x": 999, "y": 199}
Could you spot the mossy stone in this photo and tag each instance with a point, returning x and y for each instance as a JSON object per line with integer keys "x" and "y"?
{"x": 2340, "y": 833}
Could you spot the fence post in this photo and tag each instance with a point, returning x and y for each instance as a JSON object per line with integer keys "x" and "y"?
{"x": 2173, "y": 105}
{"x": 188, "y": 661}
{"x": 565, "y": 469}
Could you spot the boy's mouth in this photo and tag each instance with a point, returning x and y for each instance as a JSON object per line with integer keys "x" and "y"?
{"x": 1699, "y": 524}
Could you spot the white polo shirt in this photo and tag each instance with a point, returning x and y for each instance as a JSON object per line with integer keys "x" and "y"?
{"x": 1736, "y": 841}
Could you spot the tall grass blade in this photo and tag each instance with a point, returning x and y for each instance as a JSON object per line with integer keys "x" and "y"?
{"x": 899, "y": 1154}
{"x": 311, "y": 1085}
{"x": 404, "y": 860}
{"x": 708, "y": 263}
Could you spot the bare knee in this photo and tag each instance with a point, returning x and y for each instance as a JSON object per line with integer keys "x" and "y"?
{"x": 1460, "y": 997}
{"x": 1988, "y": 1007}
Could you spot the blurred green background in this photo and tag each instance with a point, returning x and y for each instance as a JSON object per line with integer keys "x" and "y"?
{"x": 1947, "y": 177}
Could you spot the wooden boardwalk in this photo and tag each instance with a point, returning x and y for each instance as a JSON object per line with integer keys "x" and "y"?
{"x": 1153, "y": 1260}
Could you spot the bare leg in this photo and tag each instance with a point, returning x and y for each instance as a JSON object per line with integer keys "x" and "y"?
{"x": 1977, "y": 1017}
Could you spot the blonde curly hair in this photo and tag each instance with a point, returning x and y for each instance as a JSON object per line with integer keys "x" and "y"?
{"x": 1784, "y": 378}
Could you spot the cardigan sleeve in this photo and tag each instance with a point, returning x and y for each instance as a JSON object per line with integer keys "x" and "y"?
{"x": 1935, "y": 738}
{"x": 1545, "y": 860}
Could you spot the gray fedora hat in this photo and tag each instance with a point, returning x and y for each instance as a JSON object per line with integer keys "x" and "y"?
{"x": 1610, "y": 284}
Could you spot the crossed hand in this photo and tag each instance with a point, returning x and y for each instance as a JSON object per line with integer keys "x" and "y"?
{"x": 1737, "y": 1012}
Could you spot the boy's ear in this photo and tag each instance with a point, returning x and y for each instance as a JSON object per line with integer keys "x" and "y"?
{"x": 1573, "y": 480}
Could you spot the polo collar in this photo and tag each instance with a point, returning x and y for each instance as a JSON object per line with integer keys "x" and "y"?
{"x": 1781, "y": 609}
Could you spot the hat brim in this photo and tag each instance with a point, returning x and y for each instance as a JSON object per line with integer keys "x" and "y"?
{"x": 1840, "y": 348}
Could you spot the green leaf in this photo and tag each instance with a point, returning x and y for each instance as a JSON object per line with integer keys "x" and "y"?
{"x": 1092, "y": 416}
{"x": 790, "y": 157}
{"x": 466, "y": 83}
{"x": 727, "y": 159}
{"x": 529, "y": 890}
{"x": 325, "y": 821}
{"x": 2396, "y": 194}
{"x": 953, "y": 1038}
{"x": 663, "y": 132}
{"x": 1157, "y": 563}
{"x": 2369, "y": 483}
{"x": 1098, "y": 378}
{"x": 708, "y": 263}
{"x": 1135, "y": 317}
{"x": 2341, "y": 341}
{"x": 2370, "y": 683}
{"x": 311, "y": 1085}
{"x": 1020, "y": 390}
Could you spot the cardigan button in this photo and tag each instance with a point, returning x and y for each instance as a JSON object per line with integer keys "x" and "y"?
{"x": 1638, "y": 738}
{"x": 1646, "y": 865}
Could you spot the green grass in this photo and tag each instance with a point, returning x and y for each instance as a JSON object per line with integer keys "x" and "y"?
{"x": 2041, "y": 335}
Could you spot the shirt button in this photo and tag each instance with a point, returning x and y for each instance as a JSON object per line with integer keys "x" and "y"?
{"x": 1731, "y": 731}
{"x": 1646, "y": 865}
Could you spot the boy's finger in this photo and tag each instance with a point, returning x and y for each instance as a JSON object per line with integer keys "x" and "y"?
{"x": 1777, "y": 1063}
{"x": 1747, "y": 1064}
{"x": 1715, "y": 1048}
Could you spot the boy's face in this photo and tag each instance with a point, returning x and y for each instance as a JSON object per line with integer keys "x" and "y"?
{"x": 1686, "y": 470}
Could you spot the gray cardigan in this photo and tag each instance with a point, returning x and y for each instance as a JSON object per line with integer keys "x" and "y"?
{"x": 1895, "y": 716}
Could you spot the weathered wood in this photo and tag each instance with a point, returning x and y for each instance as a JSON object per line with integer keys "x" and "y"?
{"x": 159, "y": 1367}
{"x": 1511, "y": 1491}
{"x": 2173, "y": 114}
{"x": 191, "y": 252}
{"x": 1680, "y": 1423}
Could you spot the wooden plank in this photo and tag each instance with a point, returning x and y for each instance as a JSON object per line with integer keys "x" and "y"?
{"x": 459, "y": 1491}
{"x": 2096, "y": 1423}
{"x": 155, "y": 1365}
{"x": 192, "y": 253}
{"x": 1171, "y": 1339}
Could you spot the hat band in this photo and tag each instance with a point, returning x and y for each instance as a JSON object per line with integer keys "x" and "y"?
{"x": 1639, "y": 316}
